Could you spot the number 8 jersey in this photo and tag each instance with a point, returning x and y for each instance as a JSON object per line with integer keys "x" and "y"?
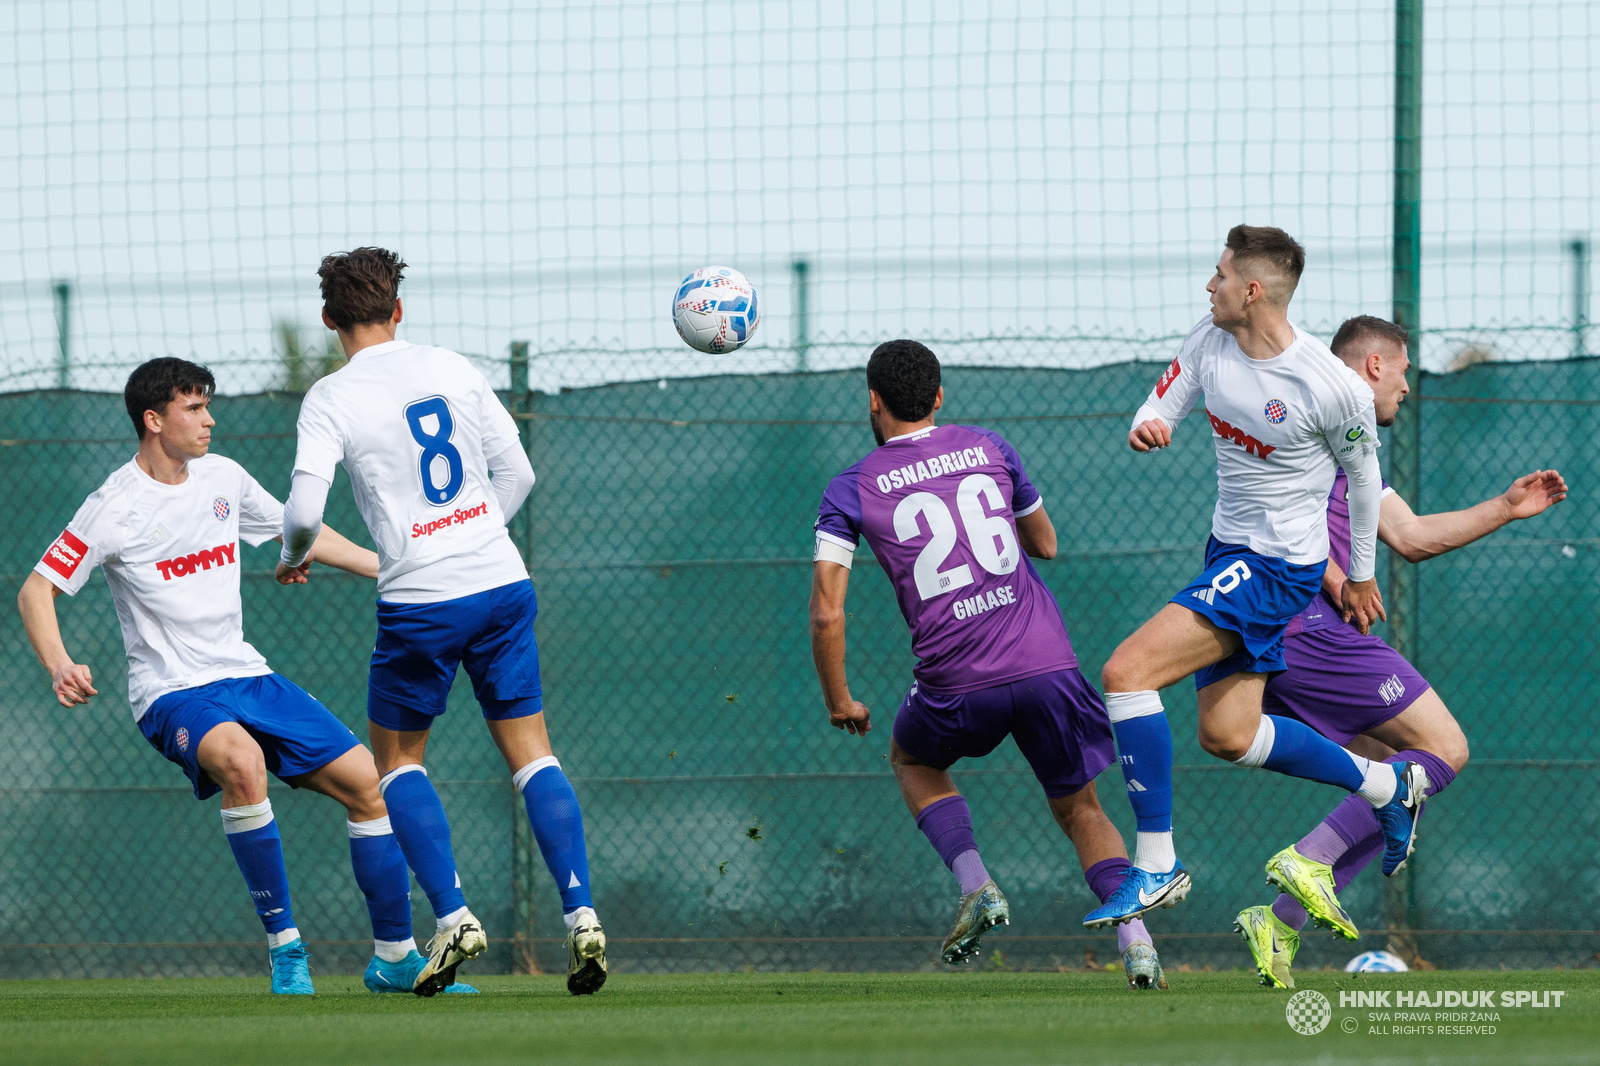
{"x": 415, "y": 428}
{"x": 939, "y": 509}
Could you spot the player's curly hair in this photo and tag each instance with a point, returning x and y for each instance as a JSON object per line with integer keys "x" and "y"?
{"x": 906, "y": 375}
{"x": 1270, "y": 247}
{"x": 360, "y": 286}
{"x": 1364, "y": 329}
{"x": 156, "y": 383}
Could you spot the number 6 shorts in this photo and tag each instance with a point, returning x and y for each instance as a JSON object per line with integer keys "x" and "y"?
{"x": 1256, "y": 596}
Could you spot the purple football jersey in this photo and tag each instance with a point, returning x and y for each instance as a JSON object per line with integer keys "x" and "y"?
{"x": 1322, "y": 612}
{"x": 939, "y": 510}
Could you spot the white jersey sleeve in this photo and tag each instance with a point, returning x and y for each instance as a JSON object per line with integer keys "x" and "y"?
{"x": 260, "y": 513}
{"x": 93, "y": 536}
{"x": 1179, "y": 389}
{"x": 1350, "y": 426}
{"x": 320, "y": 445}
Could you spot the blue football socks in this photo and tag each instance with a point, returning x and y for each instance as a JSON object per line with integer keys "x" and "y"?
{"x": 423, "y": 832}
{"x": 1144, "y": 747}
{"x": 381, "y": 874}
{"x": 258, "y": 849}
{"x": 1289, "y": 746}
{"x": 558, "y": 827}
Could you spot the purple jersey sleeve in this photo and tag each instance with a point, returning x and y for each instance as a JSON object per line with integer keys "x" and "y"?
{"x": 1024, "y": 497}
{"x": 839, "y": 515}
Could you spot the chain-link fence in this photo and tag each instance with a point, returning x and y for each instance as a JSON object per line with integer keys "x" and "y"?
{"x": 669, "y": 538}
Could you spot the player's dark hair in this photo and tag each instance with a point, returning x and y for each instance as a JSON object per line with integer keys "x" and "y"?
{"x": 906, "y": 375}
{"x": 360, "y": 286}
{"x": 157, "y": 383}
{"x": 1364, "y": 329}
{"x": 1272, "y": 247}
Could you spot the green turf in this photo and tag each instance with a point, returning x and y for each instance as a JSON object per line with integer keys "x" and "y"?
{"x": 969, "y": 1018}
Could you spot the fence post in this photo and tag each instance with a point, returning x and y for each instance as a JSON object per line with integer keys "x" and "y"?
{"x": 1405, "y": 473}
{"x": 801, "y": 294}
{"x": 62, "y": 290}
{"x": 1580, "y": 296}
{"x": 524, "y": 953}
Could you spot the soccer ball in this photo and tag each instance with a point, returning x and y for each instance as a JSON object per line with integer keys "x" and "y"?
{"x": 715, "y": 310}
{"x": 1376, "y": 962}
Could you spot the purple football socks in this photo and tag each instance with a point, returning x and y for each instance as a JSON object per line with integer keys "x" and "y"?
{"x": 947, "y": 823}
{"x": 1349, "y": 837}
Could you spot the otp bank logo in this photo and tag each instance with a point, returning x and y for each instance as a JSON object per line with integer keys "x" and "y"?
{"x": 184, "y": 565}
{"x": 65, "y": 554}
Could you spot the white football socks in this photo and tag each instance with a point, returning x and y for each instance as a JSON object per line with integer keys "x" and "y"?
{"x": 394, "y": 950}
{"x": 1381, "y": 780}
{"x": 572, "y": 917}
{"x": 1153, "y": 852}
{"x": 451, "y": 919}
{"x": 288, "y": 936}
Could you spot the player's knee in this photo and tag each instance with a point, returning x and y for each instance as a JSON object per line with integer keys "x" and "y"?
{"x": 239, "y": 763}
{"x": 1224, "y": 743}
{"x": 1455, "y": 751}
{"x": 898, "y": 756}
{"x": 1121, "y": 673}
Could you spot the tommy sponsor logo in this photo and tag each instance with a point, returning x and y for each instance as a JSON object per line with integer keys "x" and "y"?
{"x": 1167, "y": 379}
{"x": 182, "y": 737}
{"x": 984, "y": 601}
{"x": 1392, "y": 689}
{"x": 65, "y": 554}
{"x": 219, "y": 507}
{"x": 454, "y": 518}
{"x": 184, "y": 565}
{"x": 1241, "y": 438}
{"x": 948, "y": 463}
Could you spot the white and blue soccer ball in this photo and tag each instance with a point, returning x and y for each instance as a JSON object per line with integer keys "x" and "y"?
{"x": 1376, "y": 962}
{"x": 715, "y": 310}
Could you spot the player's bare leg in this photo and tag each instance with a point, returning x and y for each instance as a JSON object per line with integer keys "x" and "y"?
{"x": 423, "y": 832}
{"x": 1104, "y": 859}
{"x": 230, "y": 756}
{"x": 557, "y": 822}
{"x": 942, "y": 815}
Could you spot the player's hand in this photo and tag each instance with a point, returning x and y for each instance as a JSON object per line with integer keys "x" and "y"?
{"x": 1362, "y": 603}
{"x": 854, "y": 718}
{"x": 73, "y": 684}
{"x": 1150, "y": 435}
{"x": 1534, "y": 493}
{"x": 294, "y": 575}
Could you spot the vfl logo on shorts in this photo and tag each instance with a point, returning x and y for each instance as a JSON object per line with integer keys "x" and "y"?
{"x": 1391, "y": 690}
{"x": 65, "y": 554}
{"x": 182, "y": 737}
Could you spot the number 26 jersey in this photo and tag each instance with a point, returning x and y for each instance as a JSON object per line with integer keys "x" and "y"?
{"x": 415, "y": 427}
{"x": 939, "y": 509}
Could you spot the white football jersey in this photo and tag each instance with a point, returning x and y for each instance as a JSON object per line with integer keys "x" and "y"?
{"x": 415, "y": 428}
{"x": 1282, "y": 427}
{"x": 171, "y": 556}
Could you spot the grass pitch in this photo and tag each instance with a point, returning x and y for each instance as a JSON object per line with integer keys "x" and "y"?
{"x": 966, "y": 1018}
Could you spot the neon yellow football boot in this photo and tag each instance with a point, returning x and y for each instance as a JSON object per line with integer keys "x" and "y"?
{"x": 1312, "y": 884}
{"x": 1271, "y": 942}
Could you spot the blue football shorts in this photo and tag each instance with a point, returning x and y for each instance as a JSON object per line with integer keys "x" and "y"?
{"x": 296, "y": 733}
{"x": 421, "y": 644}
{"x": 1256, "y": 596}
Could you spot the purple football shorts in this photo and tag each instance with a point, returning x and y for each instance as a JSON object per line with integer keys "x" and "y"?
{"x": 1341, "y": 683}
{"x": 1058, "y": 719}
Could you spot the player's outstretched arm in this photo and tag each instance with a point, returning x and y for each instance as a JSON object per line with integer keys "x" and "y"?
{"x": 1417, "y": 537}
{"x": 1037, "y": 534}
{"x": 828, "y": 584}
{"x": 1359, "y": 596}
{"x": 72, "y": 682}
{"x": 338, "y": 551}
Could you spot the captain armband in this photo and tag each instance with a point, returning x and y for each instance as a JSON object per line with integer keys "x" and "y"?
{"x": 830, "y": 551}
